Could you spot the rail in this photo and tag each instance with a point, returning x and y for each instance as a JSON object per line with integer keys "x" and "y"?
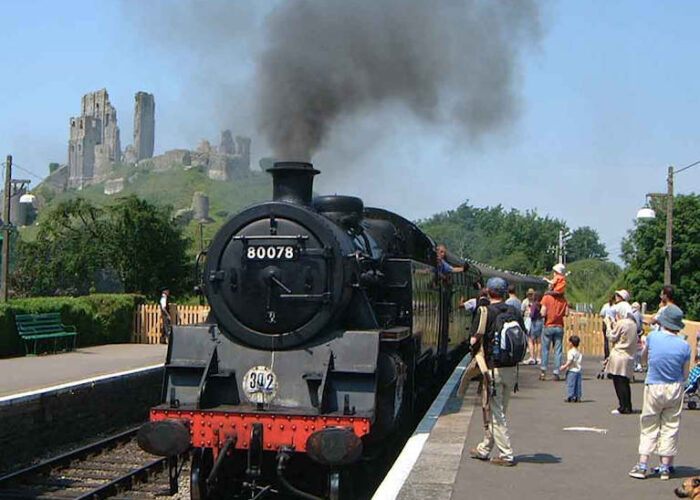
{"x": 70, "y": 474}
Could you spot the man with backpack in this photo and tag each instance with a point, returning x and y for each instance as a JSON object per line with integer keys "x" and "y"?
{"x": 498, "y": 334}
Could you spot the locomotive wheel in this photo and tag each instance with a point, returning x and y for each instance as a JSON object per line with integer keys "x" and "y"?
{"x": 202, "y": 463}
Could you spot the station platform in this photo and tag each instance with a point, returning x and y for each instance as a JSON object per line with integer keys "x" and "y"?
{"x": 25, "y": 376}
{"x": 563, "y": 450}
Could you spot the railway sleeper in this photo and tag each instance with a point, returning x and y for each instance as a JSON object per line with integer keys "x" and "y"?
{"x": 61, "y": 482}
{"x": 23, "y": 494}
{"x": 93, "y": 473}
{"x": 105, "y": 467}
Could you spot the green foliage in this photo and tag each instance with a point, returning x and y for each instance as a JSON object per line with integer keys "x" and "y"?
{"x": 99, "y": 318}
{"x": 519, "y": 241}
{"x": 643, "y": 252}
{"x": 144, "y": 247}
{"x": 53, "y": 167}
{"x": 590, "y": 281}
{"x": 585, "y": 244}
{"x": 65, "y": 255}
{"x": 174, "y": 187}
{"x": 77, "y": 239}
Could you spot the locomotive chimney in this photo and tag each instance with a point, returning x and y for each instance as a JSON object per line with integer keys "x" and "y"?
{"x": 293, "y": 181}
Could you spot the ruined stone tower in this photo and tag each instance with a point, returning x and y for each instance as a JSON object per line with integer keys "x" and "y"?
{"x": 144, "y": 125}
{"x": 93, "y": 143}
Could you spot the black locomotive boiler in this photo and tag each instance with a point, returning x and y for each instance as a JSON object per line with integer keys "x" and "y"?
{"x": 328, "y": 323}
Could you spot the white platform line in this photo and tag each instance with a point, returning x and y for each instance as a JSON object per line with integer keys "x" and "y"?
{"x": 399, "y": 472}
{"x": 22, "y": 396}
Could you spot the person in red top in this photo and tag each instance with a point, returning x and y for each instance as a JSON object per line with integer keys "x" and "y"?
{"x": 554, "y": 308}
{"x": 557, "y": 284}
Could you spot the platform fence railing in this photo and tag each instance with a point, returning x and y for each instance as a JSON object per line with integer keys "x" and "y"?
{"x": 589, "y": 327}
{"x": 148, "y": 326}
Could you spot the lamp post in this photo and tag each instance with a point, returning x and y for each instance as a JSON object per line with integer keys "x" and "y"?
{"x": 647, "y": 212}
{"x": 669, "y": 227}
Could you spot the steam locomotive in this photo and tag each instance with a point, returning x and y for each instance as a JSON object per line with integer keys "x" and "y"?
{"x": 329, "y": 323}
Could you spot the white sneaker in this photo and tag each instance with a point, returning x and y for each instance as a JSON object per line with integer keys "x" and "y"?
{"x": 615, "y": 412}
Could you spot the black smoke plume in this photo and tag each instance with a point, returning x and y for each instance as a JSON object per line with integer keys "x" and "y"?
{"x": 449, "y": 62}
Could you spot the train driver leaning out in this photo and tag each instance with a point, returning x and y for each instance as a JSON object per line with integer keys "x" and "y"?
{"x": 442, "y": 266}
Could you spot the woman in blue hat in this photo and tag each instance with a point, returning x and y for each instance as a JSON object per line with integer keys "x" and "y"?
{"x": 669, "y": 362}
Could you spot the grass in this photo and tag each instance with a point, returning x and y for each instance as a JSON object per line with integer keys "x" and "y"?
{"x": 590, "y": 281}
{"x": 174, "y": 187}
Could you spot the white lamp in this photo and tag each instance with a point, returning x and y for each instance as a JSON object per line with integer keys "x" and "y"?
{"x": 646, "y": 213}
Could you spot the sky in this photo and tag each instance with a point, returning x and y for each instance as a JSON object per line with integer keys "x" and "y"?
{"x": 608, "y": 98}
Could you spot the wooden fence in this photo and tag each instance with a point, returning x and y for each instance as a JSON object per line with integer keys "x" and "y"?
{"x": 589, "y": 327}
{"x": 148, "y": 325}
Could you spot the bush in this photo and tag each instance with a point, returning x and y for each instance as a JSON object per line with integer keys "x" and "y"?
{"x": 99, "y": 318}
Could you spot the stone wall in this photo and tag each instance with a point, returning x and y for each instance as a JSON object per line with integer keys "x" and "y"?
{"x": 169, "y": 159}
{"x": 34, "y": 426}
{"x": 58, "y": 179}
{"x": 114, "y": 186}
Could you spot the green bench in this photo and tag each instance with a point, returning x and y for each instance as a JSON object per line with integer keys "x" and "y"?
{"x": 46, "y": 326}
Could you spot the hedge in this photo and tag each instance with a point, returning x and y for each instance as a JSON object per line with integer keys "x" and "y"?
{"x": 99, "y": 318}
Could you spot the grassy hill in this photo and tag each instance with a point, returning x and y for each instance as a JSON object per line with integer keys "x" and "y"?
{"x": 591, "y": 281}
{"x": 175, "y": 187}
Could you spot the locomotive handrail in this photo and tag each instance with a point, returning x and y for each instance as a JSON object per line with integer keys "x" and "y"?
{"x": 272, "y": 237}
{"x": 321, "y": 297}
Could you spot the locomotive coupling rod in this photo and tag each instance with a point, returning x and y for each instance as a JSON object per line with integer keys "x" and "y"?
{"x": 229, "y": 443}
{"x": 282, "y": 459}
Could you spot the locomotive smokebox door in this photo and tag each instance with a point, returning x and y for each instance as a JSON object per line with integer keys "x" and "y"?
{"x": 268, "y": 298}
{"x": 276, "y": 275}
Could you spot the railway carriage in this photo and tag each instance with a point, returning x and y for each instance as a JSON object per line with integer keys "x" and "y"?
{"x": 329, "y": 327}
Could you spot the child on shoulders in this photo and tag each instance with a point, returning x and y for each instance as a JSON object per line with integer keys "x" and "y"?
{"x": 557, "y": 285}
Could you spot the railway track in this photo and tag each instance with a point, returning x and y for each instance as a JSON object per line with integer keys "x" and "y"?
{"x": 105, "y": 469}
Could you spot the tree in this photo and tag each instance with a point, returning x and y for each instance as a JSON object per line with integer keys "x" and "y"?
{"x": 585, "y": 244}
{"x": 519, "y": 241}
{"x": 643, "y": 252}
{"x": 66, "y": 253}
{"x": 77, "y": 239}
{"x": 145, "y": 248}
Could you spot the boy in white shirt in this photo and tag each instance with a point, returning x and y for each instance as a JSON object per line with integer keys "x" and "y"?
{"x": 574, "y": 376}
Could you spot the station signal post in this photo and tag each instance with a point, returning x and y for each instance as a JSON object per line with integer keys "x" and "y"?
{"x": 6, "y": 230}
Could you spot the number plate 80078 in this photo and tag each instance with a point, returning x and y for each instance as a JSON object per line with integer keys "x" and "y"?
{"x": 271, "y": 252}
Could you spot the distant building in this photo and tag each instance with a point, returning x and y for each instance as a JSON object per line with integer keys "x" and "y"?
{"x": 93, "y": 143}
{"x": 144, "y": 125}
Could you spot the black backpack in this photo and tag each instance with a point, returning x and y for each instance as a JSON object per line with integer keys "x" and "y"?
{"x": 507, "y": 341}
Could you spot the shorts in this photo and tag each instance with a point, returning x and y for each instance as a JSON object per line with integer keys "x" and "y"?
{"x": 536, "y": 329}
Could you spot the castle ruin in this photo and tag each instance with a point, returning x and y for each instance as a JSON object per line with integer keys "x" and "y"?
{"x": 93, "y": 143}
{"x": 144, "y": 125}
{"x": 94, "y": 147}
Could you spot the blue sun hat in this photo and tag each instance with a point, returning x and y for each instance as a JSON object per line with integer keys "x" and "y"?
{"x": 671, "y": 318}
